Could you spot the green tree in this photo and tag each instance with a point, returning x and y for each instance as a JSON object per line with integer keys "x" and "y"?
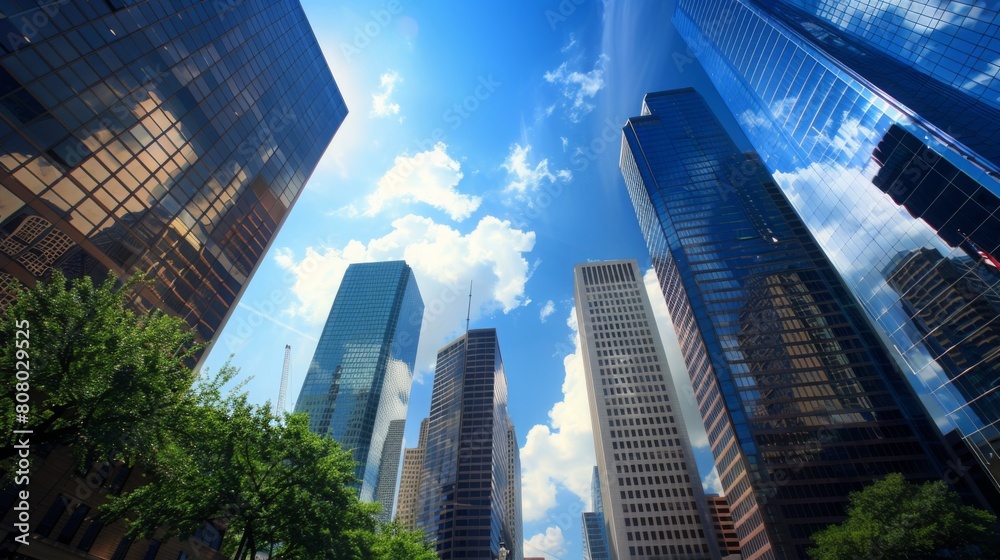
{"x": 275, "y": 485}
{"x": 893, "y": 519}
{"x": 392, "y": 542}
{"x": 99, "y": 377}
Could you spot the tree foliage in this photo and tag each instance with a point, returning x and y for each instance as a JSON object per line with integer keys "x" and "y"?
{"x": 895, "y": 520}
{"x": 278, "y": 487}
{"x": 114, "y": 384}
{"x": 392, "y": 542}
{"x": 102, "y": 378}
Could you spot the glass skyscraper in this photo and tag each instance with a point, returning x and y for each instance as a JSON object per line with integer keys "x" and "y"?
{"x": 595, "y": 535}
{"x": 801, "y": 402}
{"x": 357, "y": 388}
{"x": 879, "y": 122}
{"x": 650, "y": 491}
{"x": 463, "y": 505}
{"x": 166, "y": 137}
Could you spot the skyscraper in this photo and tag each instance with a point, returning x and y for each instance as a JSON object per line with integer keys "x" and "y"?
{"x": 878, "y": 121}
{"x": 722, "y": 522}
{"x": 595, "y": 535}
{"x": 651, "y": 494}
{"x": 801, "y": 402}
{"x": 512, "y": 494}
{"x": 385, "y": 490}
{"x": 358, "y": 384}
{"x": 463, "y": 488}
{"x": 170, "y": 138}
{"x": 409, "y": 481}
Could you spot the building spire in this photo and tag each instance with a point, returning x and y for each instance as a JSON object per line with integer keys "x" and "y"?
{"x": 468, "y": 312}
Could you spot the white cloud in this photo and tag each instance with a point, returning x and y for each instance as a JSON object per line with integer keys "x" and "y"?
{"x": 381, "y": 105}
{"x": 579, "y": 87}
{"x": 560, "y": 454}
{"x": 551, "y": 544}
{"x": 675, "y": 360}
{"x": 548, "y": 309}
{"x": 523, "y": 177}
{"x": 429, "y": 177}
{"x": 570, "y": 44}
{"x": 565, "y": 142}
{"x": 712, "y": 483}
{"x": 444, "y": 261}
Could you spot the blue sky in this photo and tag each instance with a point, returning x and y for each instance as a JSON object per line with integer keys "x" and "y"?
{"x": 482, "y": 145}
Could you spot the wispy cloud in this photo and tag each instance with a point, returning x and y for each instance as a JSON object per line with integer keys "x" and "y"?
{"x": 523, "y": 177}
{"x": 579, "y": 88}
{"x": 382, "y": 106}
{"x": 548, "y": 309}
{"x": 429, "y": 177}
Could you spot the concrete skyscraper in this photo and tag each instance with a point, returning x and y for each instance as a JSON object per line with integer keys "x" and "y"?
{"x": 651, "y": 494}
{"x": 879, "y": 120}
{"x": 464, "y": 500}
{"x": 801, "y": 402}
{"x": 409, "y": 481}
{"x": 137, "y": 136}
{"x": 357, "y": 388}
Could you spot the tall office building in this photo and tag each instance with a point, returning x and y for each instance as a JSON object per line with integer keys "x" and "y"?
{"x": 878, "y": 121}
{"x": 409, "y": 481}
{"x": 801, "y": 402}
{"x": 165, "y": 137}
{"x": 722, "y": 522}
{"x": 463, "y": 488}
{"x": 385, "y": 489}
{"x": 595, "y": 535}
{"x": 512, "y": 494}
{"x": 651, "y": 494}
{"x": 358, "y": 384}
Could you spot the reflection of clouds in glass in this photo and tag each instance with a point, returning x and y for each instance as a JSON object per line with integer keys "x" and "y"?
{"x": 861, "y": 229}
{"x": 921, "y": 39}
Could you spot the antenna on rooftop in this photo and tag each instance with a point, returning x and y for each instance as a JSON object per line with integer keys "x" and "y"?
{"x": 280, "y": 406}
{"x": 468, "y": 312}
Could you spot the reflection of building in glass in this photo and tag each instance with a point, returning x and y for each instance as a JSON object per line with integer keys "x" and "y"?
{"x": 898, "y": 97}
{"x": 139, "y": 136}
{"x": 463, "y": 504}
{"x": 385, "y": 490}
{"x": 651, "y": 494}
{"x": 409, "y": 481}
{"x": 722, "y": 522}
{"x": 595, "y": 534}
{"x": 801, "y": 402}
{"x": 958, "y": 316}
{"x": 357, "y": 388}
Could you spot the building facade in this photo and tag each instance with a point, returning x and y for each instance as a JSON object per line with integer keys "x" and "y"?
{"x": 878, "y": 121}
{"x": 463, "y": 488}
{"x": 358, "y": 383}
{"x": 651, "y": 493}
{"x": 409, "y": 481}
{"x": 595, "y": 535}
{"x": 722, "y": 523}
{"x": 801, "y": 402}
{"x": 512, "y": 496}
{"x": 385, "y": 490}
{"x": 168, "y": 138}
